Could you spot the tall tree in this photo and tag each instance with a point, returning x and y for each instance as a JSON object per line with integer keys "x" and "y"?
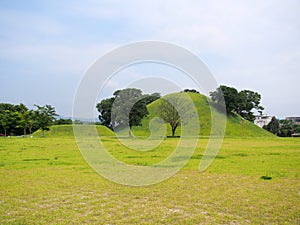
{"x": 247, "y": 101}
{"x": 104, "y": 108}
{"x": 45, "y": 116}
{"x": 23, "y": 117}
{"x": 241, "y": 103}
{"x": 128, "y": 109}
{"x": 226, "y": 95}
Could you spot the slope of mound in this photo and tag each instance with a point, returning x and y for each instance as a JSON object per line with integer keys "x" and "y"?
{"x": 67, "y": 131}
{"x": 233, "y": 125}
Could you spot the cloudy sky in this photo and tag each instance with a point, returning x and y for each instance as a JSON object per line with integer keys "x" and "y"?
{"x": 47, "y": 46}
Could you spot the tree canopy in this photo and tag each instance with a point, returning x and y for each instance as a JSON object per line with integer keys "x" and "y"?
{"x": 242, "y": 102}
{"x": 127, "y": 107}
{"x": 18, "y": 119}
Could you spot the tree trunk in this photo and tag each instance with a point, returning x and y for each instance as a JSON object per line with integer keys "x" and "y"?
{"x": 24, "y": 132}
{"x": 129, "y": 132}
{"x": 173, "y": 131}
{"x": 5, "y": 132}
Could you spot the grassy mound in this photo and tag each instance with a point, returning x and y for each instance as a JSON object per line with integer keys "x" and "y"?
{"x": 67, "y": 131}
{"x": 233, "y": 126}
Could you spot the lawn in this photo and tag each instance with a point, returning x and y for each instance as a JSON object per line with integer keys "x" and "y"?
{"x": 47, "y": 181}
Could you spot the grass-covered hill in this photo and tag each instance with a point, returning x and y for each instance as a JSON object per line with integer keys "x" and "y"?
{"x": 67, "y": 131}
{"x": 233, "y": 126}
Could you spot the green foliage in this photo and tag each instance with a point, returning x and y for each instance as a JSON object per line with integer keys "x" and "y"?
{"x": 104, "y": 108}
{"x": 172, "y": 108}
{"x": 273, "y": 126}
{"x": 62, "y": 121}
{"x": 242, "y": 102}
{"x": 45, "y": 116}
{"x": 151, "y": 98}
{"x": 286, "y": 128}
{"x": 283, "y": 128}
{"x": 191, "y": 90}
{"x": 126, "y": 108}
{"x": 15, "y": 119}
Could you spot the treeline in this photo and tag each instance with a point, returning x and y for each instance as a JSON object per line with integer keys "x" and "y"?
{"x": 19, "y": 120}
{"x": 282, "y": 128}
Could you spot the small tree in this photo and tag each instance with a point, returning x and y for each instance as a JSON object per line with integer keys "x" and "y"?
{"x": 171, "y": 108}
{"x": 45, "y": 116}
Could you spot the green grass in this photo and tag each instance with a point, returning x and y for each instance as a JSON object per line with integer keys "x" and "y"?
{"x": 46, "y": 181}
{"x": 67, "y": 131}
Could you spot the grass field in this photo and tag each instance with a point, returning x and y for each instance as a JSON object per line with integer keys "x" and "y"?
{"x": 46, "y": 181}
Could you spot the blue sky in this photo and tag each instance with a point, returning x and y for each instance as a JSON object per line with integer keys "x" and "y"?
{"x": 47, "y": 46}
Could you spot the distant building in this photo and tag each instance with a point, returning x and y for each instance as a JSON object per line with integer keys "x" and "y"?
{"x": 296, "y": 120}
{"x": 262, "y": 120}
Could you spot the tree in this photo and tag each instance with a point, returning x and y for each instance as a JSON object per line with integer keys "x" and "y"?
{"x": 151, "y": 98}
{"x": 226, "y": 95}
{"x": 272, "y": 126}
{"x": 23, "y": 117}
{"x": 191, "y": 90}
{"x": 7, "y": 118}
{"x": 31, "y": 122}
{"x": 242, "y": 102}
{"x": 128, "y": 109}
{"x": 172, "y": 108}
{"x": 104, "y": 108}
{"x": 45, "y": 116}
{"x": 62, "y": 121}
{"x": 286, "y": 128}
{"x": 169, "y": 114}
{"x": 247, "y": 101}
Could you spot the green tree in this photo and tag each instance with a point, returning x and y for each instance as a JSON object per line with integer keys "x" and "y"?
{"x": 226, "y": 95}
{"x": 286, "y": 128}
{"x": 104, "y": 108}
{"x": 45, "y": 116}
{"x": 171, "y": 108}
{"x": 241, "y": 103}
{"x": 128, "y": 109}
{"x": 247, "y": 101}
{"x": 273, "y": 126}
{"x": 191, "y": 90}
{"x": 62, "y": 121}
{"x": 169, "y": 114}
{"x": 151, "y": 98}
{"x": 22, "y": 117}
{"x": 9, "y": 118}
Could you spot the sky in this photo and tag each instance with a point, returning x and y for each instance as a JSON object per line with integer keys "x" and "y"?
{"x": 48, "y": 46}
